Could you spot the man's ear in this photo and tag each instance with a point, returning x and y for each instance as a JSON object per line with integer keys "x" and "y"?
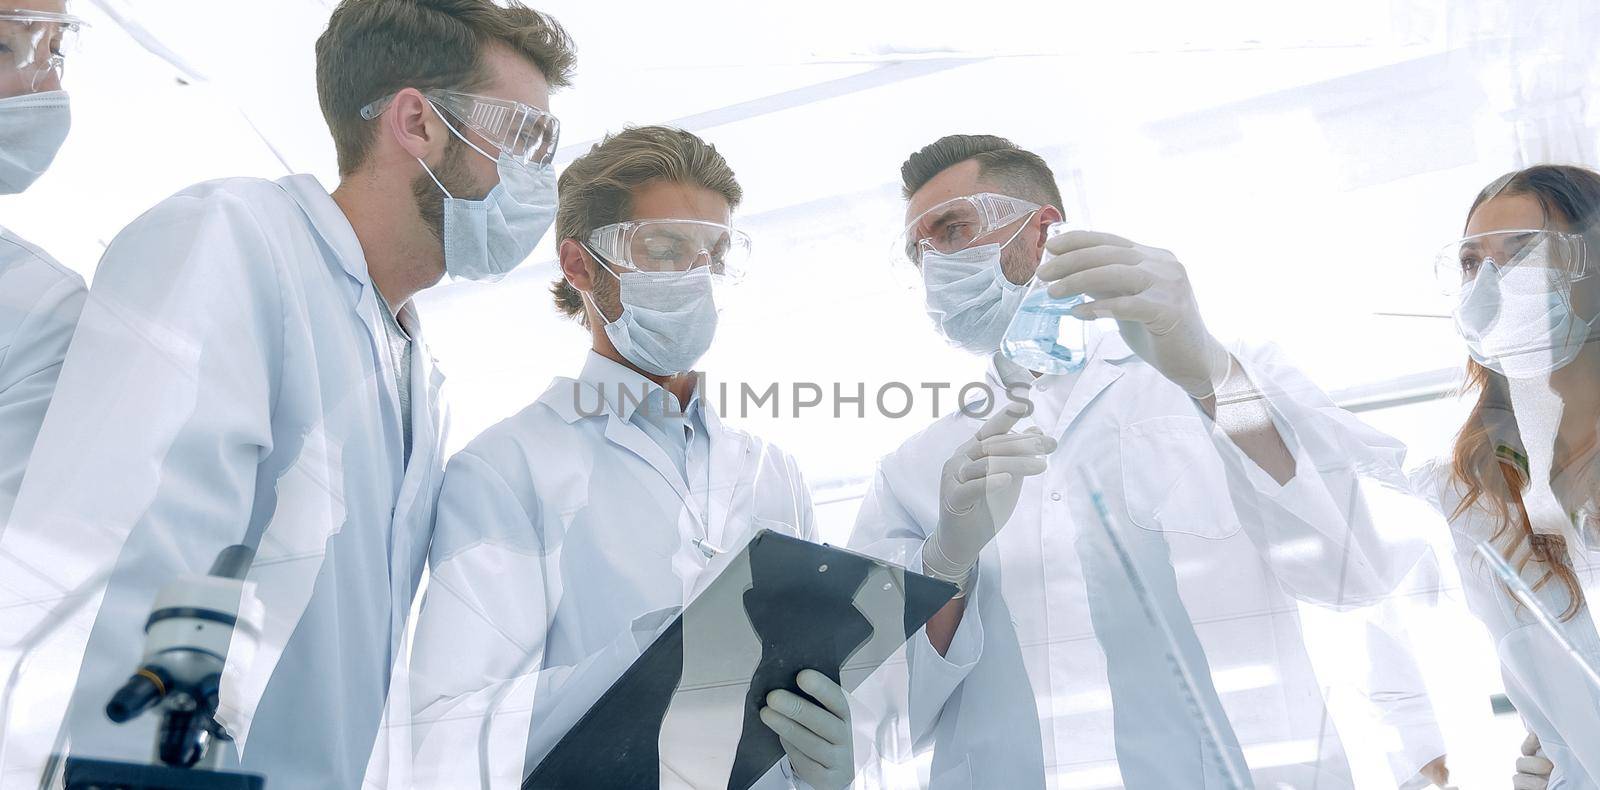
{"x": 411, "y": 121}
{"x": 1047, "y": 216}
{"x": 575, "y": 264}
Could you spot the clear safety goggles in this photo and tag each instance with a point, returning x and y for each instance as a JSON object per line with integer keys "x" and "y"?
{"x": 1545, "y": 258}
{"x": 35, "y": 45}
{"x": 674, "y": 245}
{"x": 523, "y": 132}
{"x": 957, "y": 224}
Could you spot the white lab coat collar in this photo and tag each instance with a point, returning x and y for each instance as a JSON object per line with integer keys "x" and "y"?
{"x": 585, "y": 397}
{"x": 7, "y": 237}
{"x": 336, "y": 232}
{"x": 594, "y": 393}
{"x": 731, "y": 450}
{"x": 612, "y": 379}
{"x": 334, "y": 227}
{"x": 407, "y": 316}
{"x": 331, "y": 224}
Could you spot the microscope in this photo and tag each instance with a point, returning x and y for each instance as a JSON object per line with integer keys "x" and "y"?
{"x": 188, "y": 637}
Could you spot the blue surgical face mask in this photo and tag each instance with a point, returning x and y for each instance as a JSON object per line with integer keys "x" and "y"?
{"x": 32, "y": 128}
{"x": 668, "y": 319}
{"x": 1518, "y": 321}
{"x": 485, "y": 239}
{"x": 969, "y": 296}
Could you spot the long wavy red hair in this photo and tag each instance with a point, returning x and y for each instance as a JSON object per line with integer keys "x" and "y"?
{"x": 1485, "y": 457}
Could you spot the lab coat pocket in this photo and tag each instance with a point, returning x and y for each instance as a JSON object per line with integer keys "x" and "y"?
{"x": 1173, "y": 480}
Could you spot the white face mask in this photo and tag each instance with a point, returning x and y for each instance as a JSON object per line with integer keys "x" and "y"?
{"x": 485, "y": 239}
{"x": 969, "y": 297}
{"x": 32, "y": 128}
{"x": 1518, "y": 322}
{"x": 668, "y": 319}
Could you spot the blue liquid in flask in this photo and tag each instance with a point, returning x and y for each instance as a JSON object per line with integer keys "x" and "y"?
{"x": 1043, "y": 336}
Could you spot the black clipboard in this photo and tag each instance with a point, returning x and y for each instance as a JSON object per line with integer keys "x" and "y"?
{"x": 808, "y": 605}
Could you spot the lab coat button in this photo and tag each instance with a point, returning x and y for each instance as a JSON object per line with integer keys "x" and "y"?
{"x": 1055, "y": 496}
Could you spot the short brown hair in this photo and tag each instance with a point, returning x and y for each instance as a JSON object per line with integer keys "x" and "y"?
{"x": 373, "y": 48}
{"x": 1023, "y": 174}
{"x": 597, "y": 188}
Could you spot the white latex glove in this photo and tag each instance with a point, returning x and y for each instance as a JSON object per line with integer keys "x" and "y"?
{"x": 1147, "y": 290}
{"x": 978, "y": 490}
{"x": 1533, "y": 768}
{"x": 815, "y": 737}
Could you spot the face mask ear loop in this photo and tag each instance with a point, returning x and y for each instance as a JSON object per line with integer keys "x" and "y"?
{"x": 458, "y": 134}
{"x": 460, "y": 137}
{"x": 600, "y": 259}
{"x": 1020, "y": 229}
{"x": 434, "y": 178}
{"x": 1005, "y": 282}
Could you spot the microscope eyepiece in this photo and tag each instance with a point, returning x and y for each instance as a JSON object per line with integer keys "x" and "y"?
{"x": 143, "y": 691}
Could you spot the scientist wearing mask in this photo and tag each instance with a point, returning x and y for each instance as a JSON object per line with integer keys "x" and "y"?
{"x": 569, "y": 533}
{"x": 39, "y": 298}
{"x": 1520, "y": 488}
{"x": 1224, "y": 496}
{"x": 249, "y": 368}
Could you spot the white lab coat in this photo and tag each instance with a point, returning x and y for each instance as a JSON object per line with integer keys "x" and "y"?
{"x": 39, "y": 305}
{"x": 1553, "y": 696}
{"x": 228, "y": 378}
{"x": 1054, "y": 678}
{"x": 564, "y": 542}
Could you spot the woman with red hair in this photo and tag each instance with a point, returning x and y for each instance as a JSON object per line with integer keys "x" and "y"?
{"x": 1524, "y": 475}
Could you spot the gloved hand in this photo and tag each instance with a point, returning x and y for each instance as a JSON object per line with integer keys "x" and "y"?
{"x": 815, "y": 737}
{"x": 1533, "y": 768}
{"x": 1147, "y": 290}
{"x": 978, "y": 490}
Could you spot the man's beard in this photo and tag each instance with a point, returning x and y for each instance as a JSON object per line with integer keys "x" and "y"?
{"x": 1015, "y": 263}
{"x": 606, "y": 292}
{"x": 453, "y": 174}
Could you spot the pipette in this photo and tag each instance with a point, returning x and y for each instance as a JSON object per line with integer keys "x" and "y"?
{"x": 1236, "y": 775}
{"x": 1523, "y": 593}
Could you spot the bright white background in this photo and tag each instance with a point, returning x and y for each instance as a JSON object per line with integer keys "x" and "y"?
{"x": 1304, "y": 160}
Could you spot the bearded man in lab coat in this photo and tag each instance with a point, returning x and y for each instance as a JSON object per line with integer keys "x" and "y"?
{"x": 1230, "y": 485}
{"x": 249, "y": 368}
